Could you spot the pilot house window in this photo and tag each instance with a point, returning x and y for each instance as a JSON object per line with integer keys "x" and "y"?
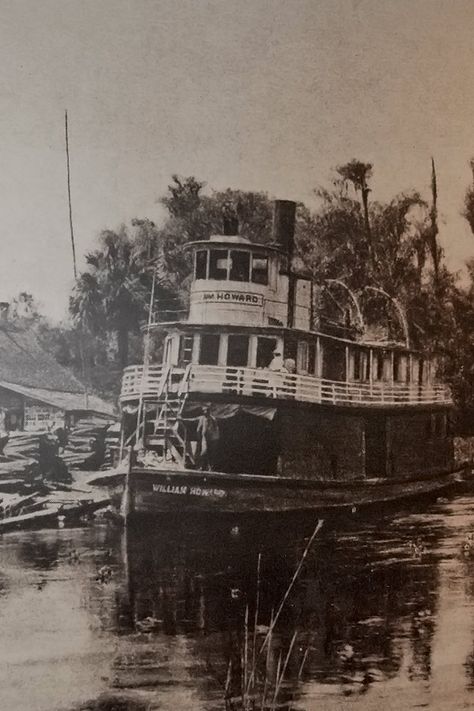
{"x": 259, "y": 269}
{"x": 218, "y": 264}
{"x": 201, "y": 264}
{"x": 239, "y": 265}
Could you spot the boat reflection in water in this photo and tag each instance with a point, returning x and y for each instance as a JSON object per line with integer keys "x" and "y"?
{"x": 370, "y": 612}
{"x": 382, "y": 611}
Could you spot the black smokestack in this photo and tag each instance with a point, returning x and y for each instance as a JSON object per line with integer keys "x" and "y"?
{"x": 230, "y": 219}
{"x": 283, "y": 230}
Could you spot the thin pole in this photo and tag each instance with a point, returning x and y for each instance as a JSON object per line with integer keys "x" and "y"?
{"x": 68, "y": 168}
{"x": 74, "y": 261}
{"x": 146, "y": 358}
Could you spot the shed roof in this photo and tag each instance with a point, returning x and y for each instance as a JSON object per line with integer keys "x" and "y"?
{"x": 25, "y": 362}
{"x": 26, "y": 368}
{"x": 69, "y": 402}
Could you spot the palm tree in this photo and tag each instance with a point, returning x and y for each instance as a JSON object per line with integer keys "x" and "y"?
{"x": 358, "y": 174}
{"x": 112, "y": 294}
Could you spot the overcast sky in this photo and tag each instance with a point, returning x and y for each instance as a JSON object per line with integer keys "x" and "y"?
{"x": 253, "y": 94}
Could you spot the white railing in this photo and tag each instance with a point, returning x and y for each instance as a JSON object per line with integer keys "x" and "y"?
{"x": 258, "y": 383}
{"x": 139, "y": 381}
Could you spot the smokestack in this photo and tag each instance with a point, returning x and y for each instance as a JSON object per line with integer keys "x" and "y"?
{"x": 230, "y": 220}
{"x": 283, "y": 231}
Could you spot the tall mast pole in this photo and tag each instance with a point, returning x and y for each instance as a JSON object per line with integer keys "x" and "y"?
{"x": 68, "y": 168}
{"x": 74, "y": 261}
{"x": 434, "y": 222}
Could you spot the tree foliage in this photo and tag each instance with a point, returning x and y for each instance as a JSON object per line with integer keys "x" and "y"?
{"x": 346, "y": 244}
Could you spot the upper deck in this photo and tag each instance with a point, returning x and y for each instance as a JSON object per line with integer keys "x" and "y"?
{"x": 149, "y": 383}
{"x": 248, "y": 308}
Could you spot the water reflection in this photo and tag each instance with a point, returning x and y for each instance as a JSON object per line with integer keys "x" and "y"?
{"x": 364, "y": 603}
{"x": 381, "y": 613}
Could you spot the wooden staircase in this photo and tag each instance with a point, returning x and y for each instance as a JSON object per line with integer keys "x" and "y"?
{"x": 169, "y": 438}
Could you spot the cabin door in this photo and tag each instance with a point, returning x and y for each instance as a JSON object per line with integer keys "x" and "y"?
{"x": 375, "y": 446}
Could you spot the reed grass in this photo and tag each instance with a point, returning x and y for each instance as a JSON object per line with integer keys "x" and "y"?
{"x": 252, "y": 695}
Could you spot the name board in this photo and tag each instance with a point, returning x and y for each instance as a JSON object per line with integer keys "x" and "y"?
{"x": 184, "y": 489}
{"x": 232, "y": 297}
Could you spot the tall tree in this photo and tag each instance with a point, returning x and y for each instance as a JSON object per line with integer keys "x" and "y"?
{"x": 111, "y": 294}
{"x": 433, "y": 230}
{"x": 468, "y": 211}
{"x": 358, "y": 173}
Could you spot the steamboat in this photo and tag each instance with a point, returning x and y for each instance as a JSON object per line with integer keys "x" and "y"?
{"x": 255, "y": 407}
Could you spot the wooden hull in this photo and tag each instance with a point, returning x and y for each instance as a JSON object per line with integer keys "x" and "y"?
{"x": 152, "y": 492}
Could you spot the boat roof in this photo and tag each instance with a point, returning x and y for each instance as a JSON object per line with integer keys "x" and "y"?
{"x": 281, "y": 330}
{"x": 229, "y": 241}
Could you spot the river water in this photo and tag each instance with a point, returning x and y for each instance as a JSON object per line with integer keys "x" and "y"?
{"x": 381, "y": 615}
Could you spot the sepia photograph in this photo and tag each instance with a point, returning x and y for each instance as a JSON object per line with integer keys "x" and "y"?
{"x": 236, "y": 355}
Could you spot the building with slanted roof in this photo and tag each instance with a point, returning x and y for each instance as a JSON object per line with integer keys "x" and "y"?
{"x": 35, "y": 390}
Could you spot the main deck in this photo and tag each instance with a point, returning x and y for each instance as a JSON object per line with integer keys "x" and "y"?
{"x": 156, "y": 492}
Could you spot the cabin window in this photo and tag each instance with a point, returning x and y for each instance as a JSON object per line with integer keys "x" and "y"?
{"x": 186, "y": 349}
{"x": 238, "y": 351}
{"x": 380, "y": 365}
{"x": 239, "y": 265}
{"x": 368, "y": 360}
{"x": 334, "y": 361}
{"x": 397, "y": 371}
{"x": 357, "y": 364}
{"x": 421, "y": 371}
{"x": 259, "y": 269}
{"x": 265, "y": 348}
{"x": 218, "y": 263}
{"x": 209, "y": 350}
{"x": 201, "y": 264}
{"x": 302, "y": 357}
{"x": 312, "y": 358}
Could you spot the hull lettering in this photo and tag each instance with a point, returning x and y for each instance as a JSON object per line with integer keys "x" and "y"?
{"x": 183, "y": 490}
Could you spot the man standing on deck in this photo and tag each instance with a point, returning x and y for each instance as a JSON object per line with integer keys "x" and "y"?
{"x": 208, "y": 436}
{"x": 208, "y": 439}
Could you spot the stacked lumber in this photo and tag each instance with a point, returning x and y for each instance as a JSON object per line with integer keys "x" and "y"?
{"x": 86, "y": 444}
{"x": 35, "y": 483}
{"x": 20, "y": 458}
{"x": 25, "y": 444}
{"x": 112, "y": 446}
